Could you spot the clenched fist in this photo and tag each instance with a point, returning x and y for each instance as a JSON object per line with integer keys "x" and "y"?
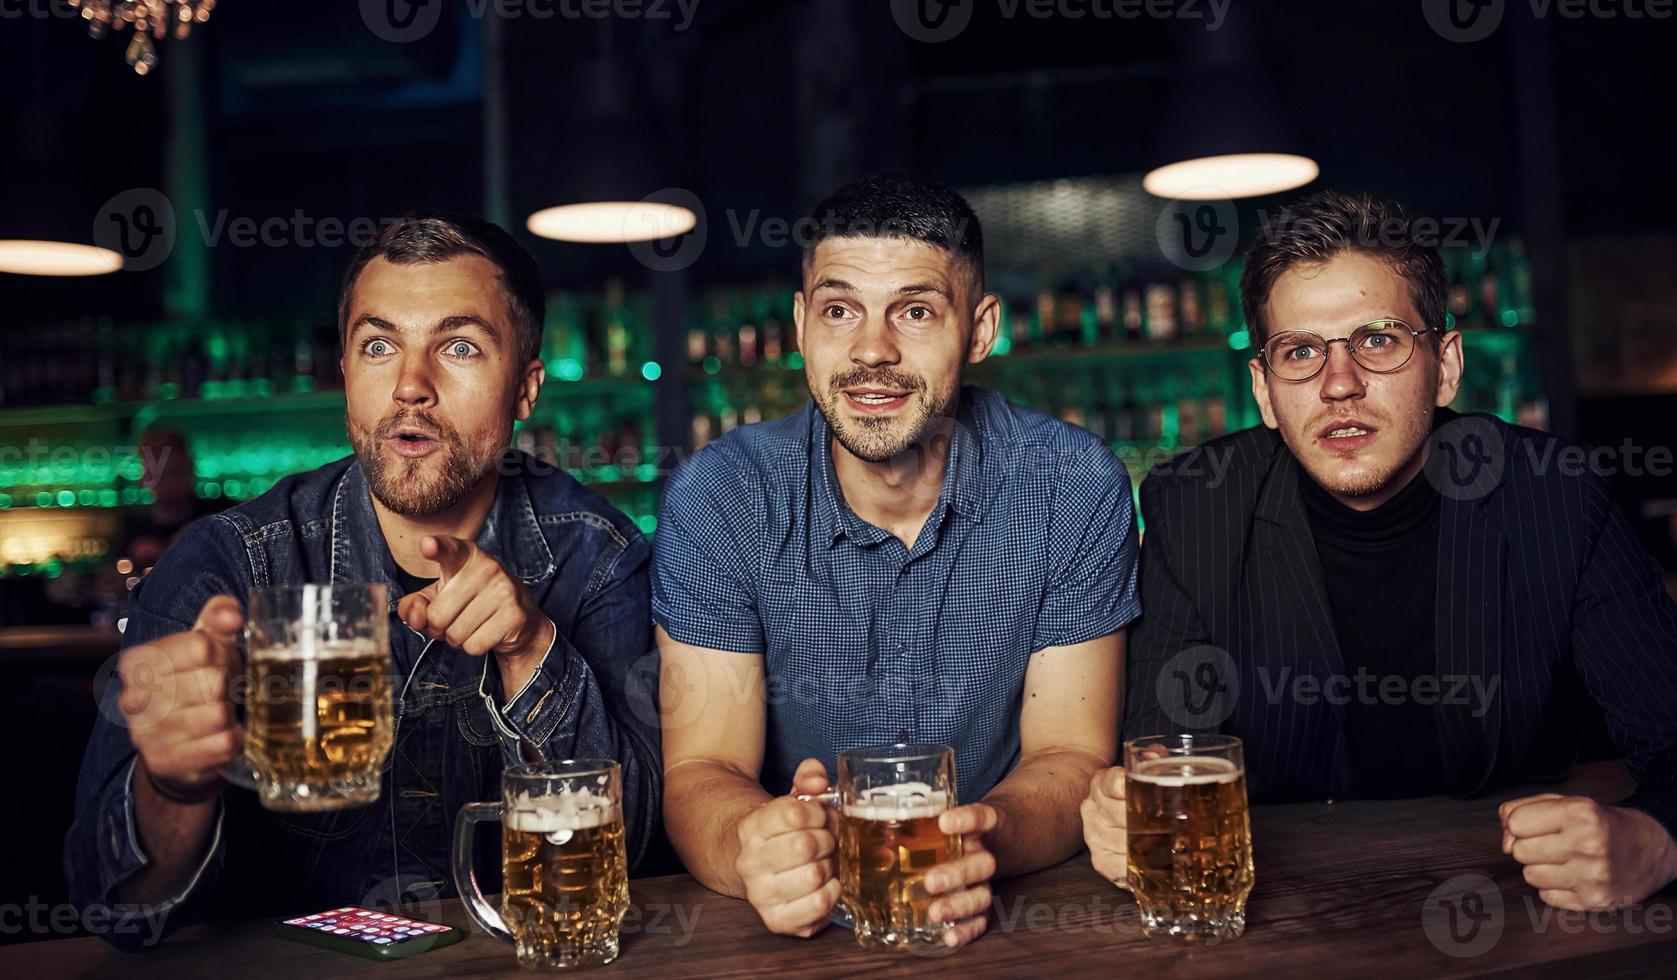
{"x": 1584, "y": 855}
{"x": 787, "y": 857}
{"x": 1104, "y": 822}
{"x": 176, "y": 700}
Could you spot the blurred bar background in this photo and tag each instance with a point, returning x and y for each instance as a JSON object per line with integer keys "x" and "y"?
{"x": 233, "y": 170}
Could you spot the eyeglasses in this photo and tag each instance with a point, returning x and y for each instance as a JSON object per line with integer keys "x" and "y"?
{"x": 1381, "y": 346}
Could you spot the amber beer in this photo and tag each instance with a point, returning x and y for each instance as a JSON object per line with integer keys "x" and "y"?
{"x": 888, "y": 840}
{"x": 564, "y": 874}
{"x": 318, "y": 724}
{"x": 564, "y": 863}
{"x": 1190, "y": 846}
{"x": 889, "y": 798}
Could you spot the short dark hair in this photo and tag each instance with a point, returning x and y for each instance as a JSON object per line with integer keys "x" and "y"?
{"x": 895, "y": 206}
{"x": 1318, "y": 227}
{"x": 438, "y": 237}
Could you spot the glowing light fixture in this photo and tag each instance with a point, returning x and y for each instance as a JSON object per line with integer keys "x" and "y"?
{"x": 1224, "y": 133}
{"x": 31, "y": 257}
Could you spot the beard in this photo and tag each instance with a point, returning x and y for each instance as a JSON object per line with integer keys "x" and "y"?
{"x": 406, "y": 486}
{"x": 1344, "y": 476}
{"x": 877, "y": 439}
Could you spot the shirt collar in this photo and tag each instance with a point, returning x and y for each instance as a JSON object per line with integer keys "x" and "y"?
{"x": 511, "y": 534}
{"x": 969, "y": 478}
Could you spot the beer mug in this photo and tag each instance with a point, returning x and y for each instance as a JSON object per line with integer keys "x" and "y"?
{"x": 564, "y": 865}
{"x": 1190, "y": 839}
{"x": 888, "y": 800}
{"x": 317, "y": 703}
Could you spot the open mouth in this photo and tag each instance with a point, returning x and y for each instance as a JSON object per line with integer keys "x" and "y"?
{"x": 875, "y": 399}
{"x": 1343, "y": 435}
{"x": 413, "y": 442}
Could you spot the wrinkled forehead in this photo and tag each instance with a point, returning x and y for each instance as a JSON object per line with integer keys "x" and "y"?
{"x": 883, "y": 266}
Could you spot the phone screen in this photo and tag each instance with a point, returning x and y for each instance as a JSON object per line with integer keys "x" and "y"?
{"x": 368, "y": 926}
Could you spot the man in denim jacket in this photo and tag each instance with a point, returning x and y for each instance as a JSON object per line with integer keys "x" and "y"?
{"x": 518, "y": 602}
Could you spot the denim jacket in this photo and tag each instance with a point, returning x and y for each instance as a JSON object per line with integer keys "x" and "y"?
{"x": 594, "y": 695}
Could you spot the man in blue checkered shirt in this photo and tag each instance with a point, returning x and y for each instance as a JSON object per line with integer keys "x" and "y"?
{"x": 905, "y": 559}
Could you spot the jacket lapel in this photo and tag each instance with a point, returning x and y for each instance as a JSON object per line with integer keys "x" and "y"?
{"x": 1287, "y": 628}
{"x": 1467, "y": 460}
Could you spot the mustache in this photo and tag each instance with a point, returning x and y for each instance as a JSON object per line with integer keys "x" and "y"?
{"x": 876, "y": 377}
{"x": 434, "y": 428}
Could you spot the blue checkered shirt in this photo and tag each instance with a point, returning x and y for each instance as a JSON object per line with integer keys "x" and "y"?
{"x": 1031, "y": 544}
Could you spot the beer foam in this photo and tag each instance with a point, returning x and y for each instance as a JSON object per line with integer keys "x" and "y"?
{"x": 904, "y": 801}
{"x": 357, "y": 649}
{"x": 1185, "y": 770}
{"x": 565, "y": 810}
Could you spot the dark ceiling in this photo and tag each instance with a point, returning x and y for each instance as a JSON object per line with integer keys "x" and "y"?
{"x": 760, "y": 105}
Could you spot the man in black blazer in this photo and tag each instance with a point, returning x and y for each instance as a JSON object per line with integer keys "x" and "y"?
{"x": 1384, "y": 598}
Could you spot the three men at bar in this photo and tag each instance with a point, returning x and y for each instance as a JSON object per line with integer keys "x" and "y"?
{"x": 912, "y": 559}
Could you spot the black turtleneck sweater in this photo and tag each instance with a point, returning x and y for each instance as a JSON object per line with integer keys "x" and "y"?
{"x": 1380, "y": 569}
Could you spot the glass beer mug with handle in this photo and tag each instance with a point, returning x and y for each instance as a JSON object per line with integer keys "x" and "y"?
{"x": 1190, "y": 836}
{"x": 888, "y": 800}
{"x": 564, "y": 864}
{"x": 317, "y": 696}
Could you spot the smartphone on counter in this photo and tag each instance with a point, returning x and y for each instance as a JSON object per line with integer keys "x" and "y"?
{"x": 368, "y": 932}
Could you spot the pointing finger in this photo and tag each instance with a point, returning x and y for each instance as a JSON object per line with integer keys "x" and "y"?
{"x": 450, "y": 552}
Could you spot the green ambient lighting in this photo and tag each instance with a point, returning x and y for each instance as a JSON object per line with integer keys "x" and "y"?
{"x": 712, "y": 364}
{"x": 647, "y": 523}
{"x": 794, "y": 361}
{"x": 1240, "y": 339}
{"x": 651, "y": 371}
{"x": 569, "y": 369}
{"x": 1510, "y": 318}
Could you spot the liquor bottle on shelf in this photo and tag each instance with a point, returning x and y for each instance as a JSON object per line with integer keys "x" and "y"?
{"x": 1161, "y": 313}
{"x": 1134, "y": 310}
{"x": 1190, "y": 313}
{"x": 1107, "y": 325}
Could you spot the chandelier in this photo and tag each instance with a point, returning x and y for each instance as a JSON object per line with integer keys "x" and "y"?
{"x": 149, "y": 19}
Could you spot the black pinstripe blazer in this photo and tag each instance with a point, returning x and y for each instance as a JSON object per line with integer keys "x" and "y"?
{"x": 1541, "y": 587}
